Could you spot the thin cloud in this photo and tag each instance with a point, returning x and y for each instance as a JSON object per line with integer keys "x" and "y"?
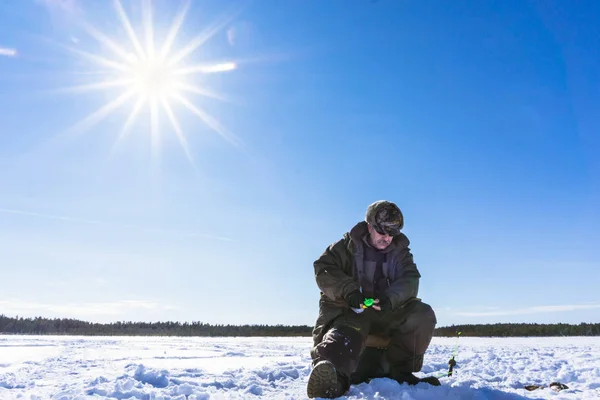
{"x": 104, "y": 223}
{"x": 70, "y": 6}
{"x": 80, "y": 310}
{"x": 62, "y": 13}
{"x": 4, "y": 51}
{"x": 530, "y": 310}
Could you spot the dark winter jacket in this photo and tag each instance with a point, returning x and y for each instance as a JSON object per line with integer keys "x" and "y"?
{"x": 339, "y": 269}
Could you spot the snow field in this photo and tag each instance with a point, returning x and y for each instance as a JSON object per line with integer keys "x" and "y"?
{"x": 179, "y": 368}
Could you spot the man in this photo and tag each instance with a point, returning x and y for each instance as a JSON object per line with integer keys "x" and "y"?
{"x": 372, "y": 260}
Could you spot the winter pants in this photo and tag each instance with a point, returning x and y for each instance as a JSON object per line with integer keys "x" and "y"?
{"x": 410, "y": 329}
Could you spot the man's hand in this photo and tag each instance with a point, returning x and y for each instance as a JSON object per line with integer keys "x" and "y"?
{"x": 355, "y": 299}
{"x": 383, "y": 303}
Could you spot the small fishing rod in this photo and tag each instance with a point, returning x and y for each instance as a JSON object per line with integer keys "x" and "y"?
{"x": 452, "y": 362}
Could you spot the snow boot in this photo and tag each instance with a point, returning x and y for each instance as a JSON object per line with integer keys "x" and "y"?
{"x": 432, "y": 380}
{"x": 407, "y": 377}
{"x": 323, "y": 382}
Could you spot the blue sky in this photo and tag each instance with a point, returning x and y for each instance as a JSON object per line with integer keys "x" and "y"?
{"x": 479, "y": 119}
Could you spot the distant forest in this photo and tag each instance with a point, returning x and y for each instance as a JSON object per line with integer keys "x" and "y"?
{"x": 63, "y": 326}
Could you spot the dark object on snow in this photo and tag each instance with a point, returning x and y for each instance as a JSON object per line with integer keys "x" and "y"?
{"x": 451, "y": 365}
{"x": 411, "y": 379}
{"x": 556, "y": 386}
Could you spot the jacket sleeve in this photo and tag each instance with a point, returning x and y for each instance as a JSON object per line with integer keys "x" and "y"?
{"x": 405, "y": 285}
{"x": 329, "y": 274}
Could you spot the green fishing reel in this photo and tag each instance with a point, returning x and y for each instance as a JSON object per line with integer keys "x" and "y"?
{"x": 369, "y": 302}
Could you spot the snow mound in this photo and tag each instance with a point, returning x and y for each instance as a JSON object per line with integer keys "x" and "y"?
{"x": 10, "y": 381}
{"x": 156, "y": 378}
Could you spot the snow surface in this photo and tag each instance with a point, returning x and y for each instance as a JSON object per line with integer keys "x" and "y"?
{"x": 153, "y": 368}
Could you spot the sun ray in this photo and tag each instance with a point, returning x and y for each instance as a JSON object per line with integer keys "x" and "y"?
{"x": 201, "y": 38}
{"x": 154, "y": 129}
{"x": 129, "y": 123}
{"x": 148, "y": 29}
{"x": 101, "y": 113}
{"x": 95, "y": 86}
{"x": 98, "y": 73}
{"x": 105, "y": 40}
{"x": 130, "y": 32}
{"x": 201, "y": 91}
{"x": 178, "y": 131}
{"x": 100, "y": 60}
{"x": 207, "y": 119}
{"x": 94, "y": 58}
{"x": 174, "y": 30}
{"x": 206, "y": 68}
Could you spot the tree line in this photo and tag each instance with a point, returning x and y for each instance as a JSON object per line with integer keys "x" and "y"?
{"x": 520, "y": 329}
{"x": 67, "y": 326}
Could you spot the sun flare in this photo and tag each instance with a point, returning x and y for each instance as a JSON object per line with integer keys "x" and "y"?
{"x": 152, "y": 78}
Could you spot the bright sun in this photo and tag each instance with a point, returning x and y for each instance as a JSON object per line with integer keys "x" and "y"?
{"x": 154, "y": 77}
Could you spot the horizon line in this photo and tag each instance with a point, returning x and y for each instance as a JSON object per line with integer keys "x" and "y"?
{"x": 17, "y": 316}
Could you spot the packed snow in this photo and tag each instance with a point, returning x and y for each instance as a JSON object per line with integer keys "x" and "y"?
{"x": 198, "y": 368}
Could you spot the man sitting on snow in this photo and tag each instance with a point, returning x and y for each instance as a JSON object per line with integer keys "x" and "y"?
{"x": 353, "y": 342}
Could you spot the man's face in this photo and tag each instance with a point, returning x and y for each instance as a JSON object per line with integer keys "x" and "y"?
{"x": 378, "y": 240}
